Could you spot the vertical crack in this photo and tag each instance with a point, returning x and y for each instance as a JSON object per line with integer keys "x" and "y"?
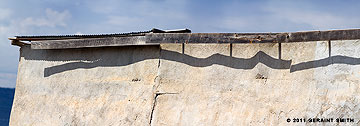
{"x": 153, "y": 108}
{"x": 159, "y": 57}
{"x": 154, "y": 105}
{"x": 155, "y": 87}
{"x": 157, "y": 83}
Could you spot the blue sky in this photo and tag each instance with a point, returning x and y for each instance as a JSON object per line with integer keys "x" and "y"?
{"x": 44, "y": 17}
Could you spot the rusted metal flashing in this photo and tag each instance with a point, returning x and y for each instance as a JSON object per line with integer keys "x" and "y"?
{"x": 89, "y": 42}
{"x": 18, "y": 42}
{"x": 64, "y": 37}
{"x": 159, "y": 36}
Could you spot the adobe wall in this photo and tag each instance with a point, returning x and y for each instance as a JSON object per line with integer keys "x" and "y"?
{"x": 194, "y": 84}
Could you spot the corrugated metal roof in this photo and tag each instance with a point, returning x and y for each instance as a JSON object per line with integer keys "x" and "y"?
{"x": 60, "y": 37}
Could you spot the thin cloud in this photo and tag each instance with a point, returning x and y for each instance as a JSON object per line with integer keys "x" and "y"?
{"x": 124, "y": 20}
{"x": 23, "y": 25}
{"x": 317, "y": 19}
{"x": 5, "y": 13}
{"x": 316, "y": 15}
{"x": 52, "y": 19}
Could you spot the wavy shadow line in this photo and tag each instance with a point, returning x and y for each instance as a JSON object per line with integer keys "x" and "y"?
{"x": 238, "y": 63}
{"x": 228, "y": 61}
{"x": 219, "y": 59}
{"x": 325, "y": 62}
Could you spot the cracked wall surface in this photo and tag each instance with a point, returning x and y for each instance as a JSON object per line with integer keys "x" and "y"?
{"x": 115, "y": 89}
{"x": 225, "y": 94}
{"x": 189, "y": 84}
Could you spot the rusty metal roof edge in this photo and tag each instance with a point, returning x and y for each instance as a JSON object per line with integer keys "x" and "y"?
{"x": 129, "y": 34}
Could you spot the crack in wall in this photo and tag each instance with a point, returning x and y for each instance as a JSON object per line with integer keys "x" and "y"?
{"x": 159, "y": 58}
{"x": 154, "y": 104}
{"x": 156, "y": 86}
{"x": 153, "y": 108}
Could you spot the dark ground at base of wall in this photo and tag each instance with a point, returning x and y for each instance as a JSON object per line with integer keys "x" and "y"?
{"x": 6, "y": 100}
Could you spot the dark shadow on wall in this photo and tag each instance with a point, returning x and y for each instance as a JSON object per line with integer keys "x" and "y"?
{"x": 104, "y": 57}
{"x": 237, "y": 63}
{"x": 92, "y": 54}
{"x": 325, "y": 62}
{"x": 87, "y": 58}
{"x": 228, "y": 61}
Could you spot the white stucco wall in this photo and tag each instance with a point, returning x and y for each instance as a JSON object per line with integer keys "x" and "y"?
{"x": 200, "y": 84}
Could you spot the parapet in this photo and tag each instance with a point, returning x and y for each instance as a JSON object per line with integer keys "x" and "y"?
{"x": 156, "y": 37}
